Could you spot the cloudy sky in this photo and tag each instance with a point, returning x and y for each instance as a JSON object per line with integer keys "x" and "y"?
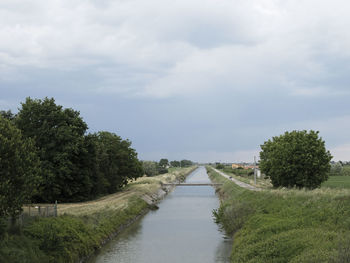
{"x": 207, "y": 80}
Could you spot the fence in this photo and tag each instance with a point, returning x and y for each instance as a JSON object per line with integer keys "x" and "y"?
{"x": 40, "y": 210}
{"x": 30, "y": 211}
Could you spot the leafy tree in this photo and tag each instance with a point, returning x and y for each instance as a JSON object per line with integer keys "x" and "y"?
{"x": 163, "y": 163}
{"x": 162, "y": 170}
{"x": 19, "y": 169}
{"x": 117, "y": 161}
{"x": 175, "y": 163}
{"x": 149, "y": 168}
{"x": 186, "y": 163}
{"x": 297, "y": 158}
{"x": 336, "y": 169}
{"x": 7, "y": 115}
{"x": 59, "y": 135}
{"x": 219, "y": 166}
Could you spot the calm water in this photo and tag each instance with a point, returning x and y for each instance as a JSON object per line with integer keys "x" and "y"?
{"x": 182, "y": 230}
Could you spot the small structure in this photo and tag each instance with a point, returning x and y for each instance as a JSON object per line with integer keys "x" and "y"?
{"x": 258, "y": 173}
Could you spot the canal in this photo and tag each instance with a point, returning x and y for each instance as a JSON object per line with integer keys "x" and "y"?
{"x": 182, "y": 230}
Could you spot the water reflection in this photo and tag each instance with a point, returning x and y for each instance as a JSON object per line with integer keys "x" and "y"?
{"x": 182, "y": 230}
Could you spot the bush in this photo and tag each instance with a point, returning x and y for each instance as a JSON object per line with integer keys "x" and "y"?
{"x": 162, "y": 170}
{"x": 297, "y": 158}
{"x": 219, "y": 166}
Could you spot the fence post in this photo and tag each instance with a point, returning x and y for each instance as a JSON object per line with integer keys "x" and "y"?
{"x": 29, "y": 210}
{"x": 39, "y": 212}
{"x": 55, "y": 209}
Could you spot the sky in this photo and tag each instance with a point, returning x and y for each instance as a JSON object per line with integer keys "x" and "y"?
{"x": 202, "y": 80}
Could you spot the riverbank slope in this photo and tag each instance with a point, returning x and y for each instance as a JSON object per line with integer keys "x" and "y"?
{"x": 285, "y": 225}
{"x": 81, "y": 228}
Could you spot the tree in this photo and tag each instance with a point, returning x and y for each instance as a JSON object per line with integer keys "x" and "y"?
{"x": 117, "y": 161}
{"x": 219, "y": 166}
{"x": 336, "y": 169}
{"x": 7, "y": 115}
{"x": 163, "y": 163}
{"x": 59, "y": 135}
{"x": 149, "y": 168}
{"x": 297, "y": 158}
{"x": 175, "y": 163}
{"x": 19, "y": 169}
{"x": 186, "y": 163}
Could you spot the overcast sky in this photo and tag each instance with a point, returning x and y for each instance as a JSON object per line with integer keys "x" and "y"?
{"x": 207, "y": 80}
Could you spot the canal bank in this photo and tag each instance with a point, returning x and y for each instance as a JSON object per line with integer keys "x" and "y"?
{"x": 82, "y": 228}
{"x": 181, "y": 230}
{"x": 142, "y": 196}
{"x": 285, "y": 225}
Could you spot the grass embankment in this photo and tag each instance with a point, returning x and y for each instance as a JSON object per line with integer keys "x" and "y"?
{"x": 285, "y": 225}
{"x": 81, "y": 228}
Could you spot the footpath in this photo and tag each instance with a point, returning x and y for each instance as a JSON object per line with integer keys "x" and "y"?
{"x": 239, "y": 183}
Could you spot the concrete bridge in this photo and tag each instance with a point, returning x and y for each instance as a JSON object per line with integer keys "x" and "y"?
{"x": 192, "y": 184}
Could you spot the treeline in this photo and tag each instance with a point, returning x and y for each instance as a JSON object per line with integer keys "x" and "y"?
{"x": 47, "y": 155}
{"x": 151, "y": 168}
{"x": 340, "y": 169}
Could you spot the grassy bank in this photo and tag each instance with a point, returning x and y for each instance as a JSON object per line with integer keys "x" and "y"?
{"x": 247, "y": 176}
{"x": 285, "y": 225}
{"x": 81, "y": 228}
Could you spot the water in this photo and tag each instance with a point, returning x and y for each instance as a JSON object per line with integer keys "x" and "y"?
{"x": 182, "y": 230}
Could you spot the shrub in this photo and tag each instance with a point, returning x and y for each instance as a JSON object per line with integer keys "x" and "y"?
{"x": 219, "y": 166}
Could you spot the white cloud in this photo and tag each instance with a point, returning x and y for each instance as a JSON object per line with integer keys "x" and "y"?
{"x": 261, "y": 54}
{"x": 192, "y": 45}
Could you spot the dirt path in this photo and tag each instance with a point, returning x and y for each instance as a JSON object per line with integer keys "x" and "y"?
{"x": 239, "y": 183}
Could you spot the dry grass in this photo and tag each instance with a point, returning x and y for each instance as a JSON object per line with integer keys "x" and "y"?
{"x": 142, "y": 186}
{"x": 315, "y": 194}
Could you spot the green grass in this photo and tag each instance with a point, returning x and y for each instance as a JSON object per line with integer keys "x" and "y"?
{"x": 82, "y": 227}
{"x": 285, "y": 225}
{"x": 337, "y": 182}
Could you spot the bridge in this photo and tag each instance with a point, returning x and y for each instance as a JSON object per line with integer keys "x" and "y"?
{"x": 192, "y": 184}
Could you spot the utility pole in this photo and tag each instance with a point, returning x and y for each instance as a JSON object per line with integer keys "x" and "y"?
{"x": 255, "y": 170}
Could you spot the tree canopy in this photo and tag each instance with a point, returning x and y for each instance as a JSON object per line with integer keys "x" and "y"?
{"x": 59, "y": 134}
{"x": 75, "y": 166}
{"x": 150, "y": 168}
{"x": 175, "y": 163}
{"x": 186, "y": 163}
{"x": 164, "y": 163}
{"x": 19, "y": 169}
{"x": 297, "y": 158}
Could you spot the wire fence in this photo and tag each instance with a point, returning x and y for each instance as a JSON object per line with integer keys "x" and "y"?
{"x": 40, "y": 210}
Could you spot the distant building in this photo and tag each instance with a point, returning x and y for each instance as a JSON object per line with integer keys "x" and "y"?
{"x": 235, "y": 166}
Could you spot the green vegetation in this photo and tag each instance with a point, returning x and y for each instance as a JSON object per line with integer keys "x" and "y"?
{"x": 186, "y": 163}
{"x": 151, "y": 168}
{"x": 19, "y": 169}
{"x": 81, "y": 228}
{"x": 248, "y": 173}
{"x": 247, "y": 176}
{"x": 297, "y": 158}
{"x": 74, "y": 166}
{"x": 219, "y": 166}
{"x": 337, "y": 182}
{"x": 164, "y": 163}
{"x": 285, "y": 225}
{"x": 340, "y": 169}
{"x": 175, "y": 163}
